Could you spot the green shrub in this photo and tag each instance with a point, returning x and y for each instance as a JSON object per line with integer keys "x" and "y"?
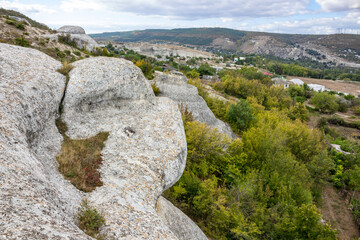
{"x": 325, "y": 102}
{"x": 241, "y": 115}
{"x": 357, "y": 110}
{"x": 22, "y": 42}
{"x": 90, "y": 220}
{"x": 77, "y": 53}
{"x": 66, "y": 39}
{"x": 299, "y": 111}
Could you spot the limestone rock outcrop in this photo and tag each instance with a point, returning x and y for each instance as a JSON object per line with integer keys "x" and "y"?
{"x": 35, "y": 200}
{"x": 174, "y": 85}
{"x": 180, "y": 224}
{"x": 146, "y": 149}
{"x": 71, "y": 29}
{"x": 76, "y": 34}
{"x": 144, "y": 154}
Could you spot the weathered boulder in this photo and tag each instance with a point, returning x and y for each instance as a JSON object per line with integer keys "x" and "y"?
{"x": 76, "y": 34}
{"x": 146, "y": 149}
{"x": 35, "y": 201}
{"x": 71, "y": 29}
{"x": 180, "y": 224}
{"x": 174, "y": 85}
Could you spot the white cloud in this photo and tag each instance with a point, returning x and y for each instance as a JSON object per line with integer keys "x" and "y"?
{"x": 339, "y": 5}
{"x": 347, "y": 24}
{"x": 190, "y": 9}
{"x": 225, "y": 20}
{"x": 25, "y": 8}
{"x": 71, "y": 5}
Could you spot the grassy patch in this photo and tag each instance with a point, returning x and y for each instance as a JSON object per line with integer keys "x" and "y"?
{"x": 80, "y": 159}
{"x": 155, "y": 88}
{"x": 90, "y": 220}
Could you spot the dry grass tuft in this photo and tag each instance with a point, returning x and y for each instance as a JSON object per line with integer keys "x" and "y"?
{"x": 80, "y": 159}
{"x": 65, "y": 69}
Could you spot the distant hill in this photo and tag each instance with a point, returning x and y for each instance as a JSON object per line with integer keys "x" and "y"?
{"x": 191, "y": 36}
{"x": 337, "y": 48}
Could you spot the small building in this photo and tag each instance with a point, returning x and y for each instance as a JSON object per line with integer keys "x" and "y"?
{"x": 236, "y": 60}
{"x": 297, "y": 81}
{"x": 280, "y": 81}
{"x": 242, "y": 58}
{"x": 317, "y": 87}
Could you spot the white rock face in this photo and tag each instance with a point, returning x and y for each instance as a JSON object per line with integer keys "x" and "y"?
{"x": 78, "y": 35}
{"x": 180, "y": 224}
{"x": 146, "y": 149}
{"x": 35, "y": 201}
{"x": 71, "y": 29}
{"x": 174, "y": 85}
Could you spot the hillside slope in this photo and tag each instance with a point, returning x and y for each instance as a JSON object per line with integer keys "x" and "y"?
{"x": 342, "y": 49}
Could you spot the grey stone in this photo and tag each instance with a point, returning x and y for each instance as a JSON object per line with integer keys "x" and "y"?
{"x": 174, "y": 85}
{"x": 77, "y": 34}
{"x": 71, "y": 29}
{"x": 180, "y": 224}
{"x": 146, "y": 149}
{"x": 35, "y": 200}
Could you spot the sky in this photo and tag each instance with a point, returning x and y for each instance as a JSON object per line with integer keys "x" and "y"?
{"x": 279, "y": 16}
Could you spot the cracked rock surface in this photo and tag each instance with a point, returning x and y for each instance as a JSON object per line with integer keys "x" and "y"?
{"x": 146, "y": 149}
{"x": 35, "y": 201}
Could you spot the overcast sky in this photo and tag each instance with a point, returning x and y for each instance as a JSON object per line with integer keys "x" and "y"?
{"x": 283, "y": 16}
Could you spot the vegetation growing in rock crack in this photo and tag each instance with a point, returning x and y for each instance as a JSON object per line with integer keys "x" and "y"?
{"x": 155, "y": 88}
{"x": 64, "y": 70}
{"x": 90, "y": 220}
{"x": 80, "y": 159}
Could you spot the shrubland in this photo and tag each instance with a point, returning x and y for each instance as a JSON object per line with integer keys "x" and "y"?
{"x": 266, "y": 184}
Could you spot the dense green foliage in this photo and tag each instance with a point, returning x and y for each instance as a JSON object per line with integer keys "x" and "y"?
{"x": 262, "y": 187}
{"x": 205, "y": 69}
{"x": 234, "y": 83}
{"x": 325, "y": 102}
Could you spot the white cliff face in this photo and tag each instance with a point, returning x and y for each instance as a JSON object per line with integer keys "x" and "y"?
{"x": 174, "y": 85}
{"x": 146, "y": 149}
{"x": 35, "y": 201}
